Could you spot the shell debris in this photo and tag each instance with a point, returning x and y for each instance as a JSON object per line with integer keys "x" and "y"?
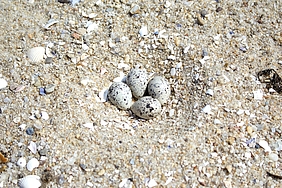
{"x": 3, "y": 83}
{"x": 21, "y": 162}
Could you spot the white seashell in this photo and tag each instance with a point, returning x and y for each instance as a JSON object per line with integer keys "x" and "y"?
{"x": 21, "y": 162}
{"x": 143, "y": 31}
{"x": 3, "y": 83}
{"x": 103, "y": 95}
{"x": 36, "y": 54}
{"x": 258, "y": 94}
{"x": 264, "y": 145}
{"x": 89, "y": 125}
{"x": 91, "y": 26}
{"x": 30, "y": 181}
{"x": 152, "y": 183}
{"x": 32, "y": 146}
{"x": 32, "y": 163}
{"x": 44, "y": 115}
{"x": 50, "y": 23}
{"x": 207, "y": 109}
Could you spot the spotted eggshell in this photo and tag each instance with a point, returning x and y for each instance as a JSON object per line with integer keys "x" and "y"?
{"x": 146, "y": 107}
{"x": 159, "y": 89}
{"x": 137, "y": 80}
{"x": 120, "y": 95}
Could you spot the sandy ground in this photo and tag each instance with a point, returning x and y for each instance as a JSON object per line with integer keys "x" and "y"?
{"x": 220, "y": 128}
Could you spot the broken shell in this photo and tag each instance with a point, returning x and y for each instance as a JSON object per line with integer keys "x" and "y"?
{"x": 50, "y": 23}
{"x": 3, "y": 83}
{"x": 32, "y": 163}
{"x": 21, "y": 162}
{"x": 36, "y": 54}
{"x": 30, "y": 181}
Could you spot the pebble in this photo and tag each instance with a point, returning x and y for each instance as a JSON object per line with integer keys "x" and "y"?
{"x": 7, "y": 100}
{"x": 135, "y": 9}
{"x": 42, "y": 91}
{"x": 50, "y": 88}
{"x": 249, "y": 129}
{"x": 29, "y": 131}
{"x": 43, "y": 152}
{"x": 3, "y": 83}
{"x": 273, "y": 156}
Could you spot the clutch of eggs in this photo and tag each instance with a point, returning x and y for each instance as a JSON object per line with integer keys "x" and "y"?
{"x": 147, "y": 107}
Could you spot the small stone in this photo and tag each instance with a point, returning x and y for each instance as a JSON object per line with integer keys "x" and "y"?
{"x": 82, "y": 166}
{"x": 101, "y": 172}
{"x": 7, "y": 100}
{"x": 249, "y": 129}
{"x": 30, "y": 131}
{"x": 50, "y": 88}
{"x": 48, "y": 60}
{"x": 218, "y": 9}
{"x": 229, "y": 168}
{"x": 43, "y": 152}
{"x": 273, "y": 157}
{"x": 231, "y": 140}
{"x": 135, "y": 9}
{"x": 42, "y": 91}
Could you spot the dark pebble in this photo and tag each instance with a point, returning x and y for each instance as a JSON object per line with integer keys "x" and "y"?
{"x": 82, "y": 166}
{"x": 42, "y": 91}
{"x": 218, "y": 9}
{"x": 257, "y": 146}
{"x": 64, "y": 1}
{"x": 48, "y": 60}
{"x": 61, "y": 179}
{"x": 29, "y": 131}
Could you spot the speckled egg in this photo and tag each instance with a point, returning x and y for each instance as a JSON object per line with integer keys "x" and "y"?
{"x": 159, "y": 89}
{"x": 120, "y": 95}
{"x": 146, "y": 107}
{"x": 137, "y": 80}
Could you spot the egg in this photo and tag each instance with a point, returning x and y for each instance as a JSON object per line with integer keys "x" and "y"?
{"x": 159, "y": 89}
{"x": 146, "y": 107}
{"x": 120, "y": 95}
{"x": 137, "y": 80}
